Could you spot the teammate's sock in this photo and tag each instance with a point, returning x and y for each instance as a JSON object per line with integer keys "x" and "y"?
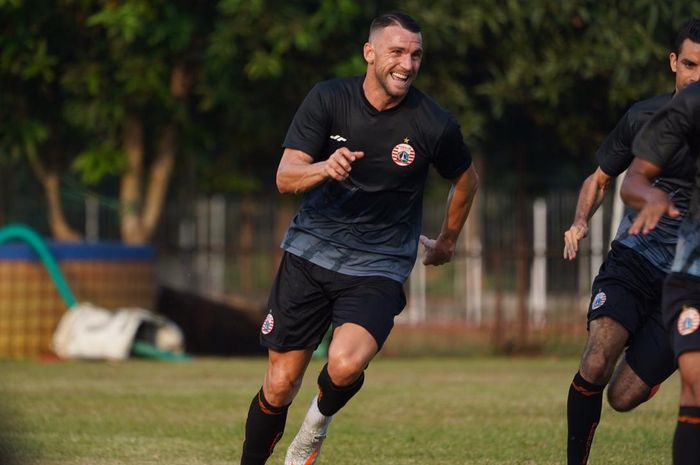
{"x": 263, "y": 429}
{"x": 583, "y": 409}
{"x": 686, "y": 440}
{"x": 332, "y": 398}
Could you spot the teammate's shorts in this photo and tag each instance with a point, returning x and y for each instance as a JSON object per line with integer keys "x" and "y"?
{"x": 681, "y": 310}
{"x": 628, "y": 290}
{"x": 306, "y": 299}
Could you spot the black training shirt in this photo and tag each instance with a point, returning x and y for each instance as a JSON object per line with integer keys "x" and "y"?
{"x": 370, "y": 223}
{"x": 615, "y": 155}
{"x": 675, "y": 125}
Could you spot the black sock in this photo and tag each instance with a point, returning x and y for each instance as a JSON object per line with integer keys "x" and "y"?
{"x": 332, "y": 398}
{"x": 583, "y": 409}
{"x": 263, "y": 429}
{"x": 686, "y": 440}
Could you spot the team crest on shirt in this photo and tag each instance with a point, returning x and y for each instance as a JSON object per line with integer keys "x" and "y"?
{"x": 403, "y": 154}
{"x": 599, "y": 300}
{"x": 269, "y": 324}
{"x": 688, "y": 321}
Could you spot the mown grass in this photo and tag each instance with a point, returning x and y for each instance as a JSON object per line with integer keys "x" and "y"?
{"x": 476, "y": 411}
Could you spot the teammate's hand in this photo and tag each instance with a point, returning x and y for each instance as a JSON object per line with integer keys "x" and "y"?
{"x": 658, "y": 204}
{"x": 576, "y": 232}
{"x": 338, "y": 165}
{"x": 437, "y": 252}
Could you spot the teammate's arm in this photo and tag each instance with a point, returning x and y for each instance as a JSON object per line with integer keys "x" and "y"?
{"x": 298, "y": 172}
{"x": 459, "y": 201}
{"x": 638, "y": 192}
{"x": 589, "y": 199}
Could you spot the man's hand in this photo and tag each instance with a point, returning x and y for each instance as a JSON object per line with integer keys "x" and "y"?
{"x": 576, "y": 232}
{"x": 657, "y": 205}
{"x": 437, "y": 252}
{"x": 338, "y": 165}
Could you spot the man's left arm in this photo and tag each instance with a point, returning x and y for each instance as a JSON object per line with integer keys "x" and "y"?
{"x": 459, "y": 202}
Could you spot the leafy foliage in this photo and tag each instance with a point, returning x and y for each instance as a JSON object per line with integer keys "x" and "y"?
{"x": 541, "y": 81}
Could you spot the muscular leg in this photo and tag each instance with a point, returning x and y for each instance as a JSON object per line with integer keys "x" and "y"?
{"x": 689, "y": 367}
{"x": 627, "y": 390}
{"x": 349, "y": 353}
{"x": 285, "y": 371}
{"x": 686, "y": 439}
{"x": 606, "y": 341}
{"x": 267, "y": 414}
{"x": 351, "y": 350}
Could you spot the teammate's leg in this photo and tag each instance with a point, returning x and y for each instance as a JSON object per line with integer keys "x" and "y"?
{"x": 267, "y": 414}
{"x": 627, "y": 390}
{"x": 606, "y": 341}
{"x": 649, "y": 361}
{"x": 350, "y": 351}
{"x": 686, "y": 439}
{"x": 681, "y": 304}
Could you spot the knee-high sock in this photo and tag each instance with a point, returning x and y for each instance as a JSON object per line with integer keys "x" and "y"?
{"x": 583, "y": 409}
{"x": 332, "y": 398}
{"x": 263, "y": 428}
{"x": 686, "y": 440}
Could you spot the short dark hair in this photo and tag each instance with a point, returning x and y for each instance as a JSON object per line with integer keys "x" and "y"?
{"x": 394, "y": 19}
{"x": 689, "y": 30}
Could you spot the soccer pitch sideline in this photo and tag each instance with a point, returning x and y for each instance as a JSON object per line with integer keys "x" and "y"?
{"x": 480, "y": 411}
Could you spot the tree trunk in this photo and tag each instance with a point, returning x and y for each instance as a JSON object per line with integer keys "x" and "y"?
{"x": 60, "y": 229}
{"x": 140, "y": 216}
{"x": 159, "y": 179}
{"x": 130, "y": 192}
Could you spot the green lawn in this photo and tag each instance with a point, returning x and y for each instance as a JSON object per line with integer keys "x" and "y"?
{"x": 479, "y": 411}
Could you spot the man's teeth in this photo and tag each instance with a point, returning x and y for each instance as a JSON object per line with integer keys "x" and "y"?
{"x": 403, "y": 77}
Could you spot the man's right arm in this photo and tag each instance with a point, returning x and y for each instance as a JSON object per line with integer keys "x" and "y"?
{"x": 298, "y": 172}
{"x": 589, "y": 199}
{"x": 638, "y": 192}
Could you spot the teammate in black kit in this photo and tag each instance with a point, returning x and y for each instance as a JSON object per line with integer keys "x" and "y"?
{"x": 677, "y": 124}
{"x": 625, "y": 308}
{"x": 359, "y": 149}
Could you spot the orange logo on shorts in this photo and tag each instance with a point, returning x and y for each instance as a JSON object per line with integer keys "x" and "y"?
{"x": 688, "y": 321}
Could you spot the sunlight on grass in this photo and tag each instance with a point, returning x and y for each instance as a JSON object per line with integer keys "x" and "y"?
{"x": 478, "y": 411}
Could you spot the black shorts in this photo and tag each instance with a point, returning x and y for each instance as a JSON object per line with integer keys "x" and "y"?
{"x": 628, "y": 290}
{"x": 306, "y": 298}
{"x": 681, "y": 309}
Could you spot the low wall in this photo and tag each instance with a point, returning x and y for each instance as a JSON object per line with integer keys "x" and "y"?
{"x": 109, "y": 275}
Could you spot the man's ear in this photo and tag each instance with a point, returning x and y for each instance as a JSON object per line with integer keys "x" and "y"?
{"x": 673, "y": 61}
{"x": 368, "y": 52}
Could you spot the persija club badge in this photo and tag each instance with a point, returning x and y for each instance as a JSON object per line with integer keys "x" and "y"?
{"x": 268, "y": 325}
{"x": 599, "y": 300}
{"x": 403, "y": 154}
{"x": 688, "y": 321}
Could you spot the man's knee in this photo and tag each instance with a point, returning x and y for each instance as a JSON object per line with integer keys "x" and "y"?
{"x": 690, "y": 392}
{"x": 344, "y": 368}
{"x": 281, "y": 387}
{"x": 596, "y": 366}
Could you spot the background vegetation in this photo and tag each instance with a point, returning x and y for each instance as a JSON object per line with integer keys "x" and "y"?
{"x": 119, "y": 96}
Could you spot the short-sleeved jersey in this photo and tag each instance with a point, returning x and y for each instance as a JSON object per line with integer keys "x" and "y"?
{"x": 369, "y": 224}
{"x": 615, "y": 155}
{"x": 677, "y": 125}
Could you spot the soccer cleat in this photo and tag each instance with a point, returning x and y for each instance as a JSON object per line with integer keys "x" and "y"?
{"x": 306, "y": 445}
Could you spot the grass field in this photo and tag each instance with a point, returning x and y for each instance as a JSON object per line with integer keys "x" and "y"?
{"x": 480, "y": 411}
